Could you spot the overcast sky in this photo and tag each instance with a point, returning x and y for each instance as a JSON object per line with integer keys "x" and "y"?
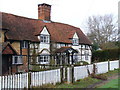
{"x": 73, "y": 12}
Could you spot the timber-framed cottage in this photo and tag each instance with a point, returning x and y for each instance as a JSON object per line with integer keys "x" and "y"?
{"x": 40, "y": 41}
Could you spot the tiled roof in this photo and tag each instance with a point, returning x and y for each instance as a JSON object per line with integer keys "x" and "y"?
{"x": 65, "y": 49}
{"x": 21, "y": 28}
{"x": 7, "y": 49}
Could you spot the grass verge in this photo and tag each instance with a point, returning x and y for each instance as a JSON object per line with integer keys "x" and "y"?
{"x": 82, "y": 83}
{"x": 111, "y": 84}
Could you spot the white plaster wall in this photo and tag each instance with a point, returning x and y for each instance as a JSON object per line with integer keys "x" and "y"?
{"x": 44, "y": 45}
{"x": 78, "y": 48}
{"x": 45, "y": 31}
{"x": 75, "y": 35}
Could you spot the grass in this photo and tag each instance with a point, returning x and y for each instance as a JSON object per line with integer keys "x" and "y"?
{"x": 111, "y": 84}
{"x": 111, "y": 73}
{"x": 82, "y": 83}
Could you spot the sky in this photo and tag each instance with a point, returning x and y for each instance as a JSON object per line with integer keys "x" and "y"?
{"x": 72, "y": 12}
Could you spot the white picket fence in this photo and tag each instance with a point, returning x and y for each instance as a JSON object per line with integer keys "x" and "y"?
{"x": 52, "y": 76}
{"x": 114, "y": 64}
{"x": 45, "y": 77}
{"x": 80, "y": 72}
{"x": 102, "y": 67}
{"x": 14, "y": 81}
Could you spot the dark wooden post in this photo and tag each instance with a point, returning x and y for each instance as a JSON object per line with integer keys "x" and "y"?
{"x": 72, "y": 73}
{"x": 61, "y": 73}
{"x": 29, "y": 74}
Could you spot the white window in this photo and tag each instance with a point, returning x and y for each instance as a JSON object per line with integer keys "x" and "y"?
{"x": 43, "y": 59}
{"x": 75, "y": 41}
{"x": 17, "y": 60}
{"x": 44, "y": 38}
{"x": 24, "y": 44}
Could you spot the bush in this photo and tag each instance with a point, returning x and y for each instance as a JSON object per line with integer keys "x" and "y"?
{"x": 104, "y": 55}
{"x": 100, "y": 76}
{"x": 83, "y": 63}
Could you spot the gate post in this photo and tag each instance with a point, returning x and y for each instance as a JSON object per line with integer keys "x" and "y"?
{"x": 61, "y": 73}
{"x": 70, "y": 74}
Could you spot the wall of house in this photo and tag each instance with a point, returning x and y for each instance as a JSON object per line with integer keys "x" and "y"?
{"x": 81, "y": 49}
{"x": 16, "y": 46}
{"x": 44, "y": 45}
{"x": 24, "y": 66}
{"x": 24, "y": 51}
{"x": 2, "y": 36}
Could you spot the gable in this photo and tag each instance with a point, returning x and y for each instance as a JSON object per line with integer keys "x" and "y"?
{"x": 8, "y": 50}
{"x": 75, "y": 36}
{"x": 45, "y": 31}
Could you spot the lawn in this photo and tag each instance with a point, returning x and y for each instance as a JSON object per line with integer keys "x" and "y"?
{"x": 111, "y": 84}
{"x": 83, "y": 83}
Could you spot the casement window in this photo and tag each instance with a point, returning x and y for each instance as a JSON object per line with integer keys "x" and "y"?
{"x": 86, "y": 47}
{"x": 24, "y": 44}
{"x": 43, "y": 59}
{"x": 44, "y": 39}
{"x": 17, "y": 60}
{"x": 75, "y": 41}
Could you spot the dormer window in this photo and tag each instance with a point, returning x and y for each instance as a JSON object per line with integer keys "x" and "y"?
{"x": 44, "y": 38}
{"x": 75, "y": 41}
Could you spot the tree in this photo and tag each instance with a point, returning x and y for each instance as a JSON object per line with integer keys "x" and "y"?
{"x": 102, "y": 29}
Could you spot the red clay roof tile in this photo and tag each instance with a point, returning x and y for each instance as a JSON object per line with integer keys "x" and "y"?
{"x": 21, "y": 28}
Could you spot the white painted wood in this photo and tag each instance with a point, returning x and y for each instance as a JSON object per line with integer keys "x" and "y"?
{"x": 102, "y": 67}
{"x": 114, "y": 64}
{"x": 45, "y": 77}
{"x": 45, "y": 31}
{"x": 75, "y": 36}
{"x": 52, "y": 76}
{"x": 80, "y": 72}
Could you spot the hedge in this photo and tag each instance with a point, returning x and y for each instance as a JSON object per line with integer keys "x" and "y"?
{"x": 104, "y": 55}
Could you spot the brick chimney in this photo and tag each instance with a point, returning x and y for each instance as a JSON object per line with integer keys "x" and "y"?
{"x": 44, "y": 11}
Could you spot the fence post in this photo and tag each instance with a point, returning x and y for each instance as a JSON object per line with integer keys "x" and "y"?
{"x": 61, "y": 73}
{"x": 29, "y": 80}
{"x": 108, "y": 65}
{"x": 70, "y": 74}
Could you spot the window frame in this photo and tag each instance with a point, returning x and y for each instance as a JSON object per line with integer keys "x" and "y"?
{"x": 17, "y": 61}
{"x": 75, "y": 41}
{"x": 44, "y": 38}
{"x": 24, "y": 44}
{"x": 45, "y": 59}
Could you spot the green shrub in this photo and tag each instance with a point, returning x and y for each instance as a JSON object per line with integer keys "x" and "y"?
{"x": 83, "y": 63}
{"x": 104, "y": 55}
{"x": 99, "y": 76}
